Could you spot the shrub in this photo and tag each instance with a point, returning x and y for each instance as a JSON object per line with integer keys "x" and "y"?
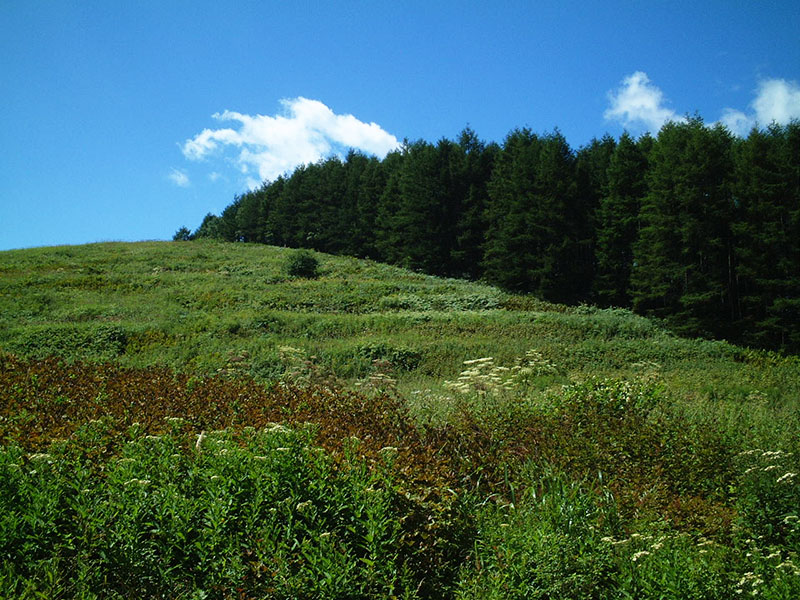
{"x": 303, "y": 264}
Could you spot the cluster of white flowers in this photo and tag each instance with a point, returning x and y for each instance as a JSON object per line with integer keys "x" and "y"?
{"x": 749, "y": 580}
{"x": 43, "y": 456}
{"x": 758, "y": 457}
{"x": 377, "y": 383}
{"x": 484, "y": 377}
{"x": 141, "y": 482}
{"x": 276, "y": 428}
{"x": 481, "y": 375}
{"x": 638, "y": 545}
{"x": 640, "y": 554}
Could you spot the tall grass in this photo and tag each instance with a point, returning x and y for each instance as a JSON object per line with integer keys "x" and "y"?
{"x": 189, "y": 421}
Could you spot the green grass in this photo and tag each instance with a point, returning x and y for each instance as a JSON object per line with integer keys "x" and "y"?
{"x": 591, "y": 454}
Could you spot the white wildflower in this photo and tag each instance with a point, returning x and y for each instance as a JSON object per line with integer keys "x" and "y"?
{"x": 40, "y": 456}
{"x": 479, "y": 361}
{"x": 142, "y": 482}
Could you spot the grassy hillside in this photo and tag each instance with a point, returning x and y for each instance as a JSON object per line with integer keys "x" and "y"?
{"x": 376, "y": 433}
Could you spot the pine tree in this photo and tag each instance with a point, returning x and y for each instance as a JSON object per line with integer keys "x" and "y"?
{"x": 529, "y": 244}
{"x": 684, "y": 260}
{"x": 768, "y": 236}
{"x": 617, "y": 223}
{"x": 591, "y": 177}
{"x": 474, "y": 171}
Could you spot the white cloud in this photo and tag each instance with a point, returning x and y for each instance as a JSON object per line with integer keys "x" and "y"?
{"x": 639, "y": 104}
{"x": 179, "y": 178}
{"x": 736, "y": 121}
{"x": 777, "y": 100}
{"x": 271, "y": 146}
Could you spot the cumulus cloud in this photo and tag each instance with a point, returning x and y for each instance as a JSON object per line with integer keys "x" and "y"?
{"x": 639, "y": 104}
{"x": 273, "y": 145}
{"x": 736, "y": 121}
{"x": 777, "y": 100}
{"x": 179, "y": 178}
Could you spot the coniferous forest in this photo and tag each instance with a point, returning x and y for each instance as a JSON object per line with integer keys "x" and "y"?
{"x": 694, "y": 226}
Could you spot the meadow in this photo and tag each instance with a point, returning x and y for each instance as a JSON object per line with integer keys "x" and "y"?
{"x": 189, "y": 420}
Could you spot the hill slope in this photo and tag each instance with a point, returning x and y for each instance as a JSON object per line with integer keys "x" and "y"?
{"x": 576, "y": 450}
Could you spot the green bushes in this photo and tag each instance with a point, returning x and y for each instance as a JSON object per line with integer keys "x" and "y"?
{"x": 99, "y": 341}
{"x": 260, "y": 513}
{"x": 587, "y": 454}
{"x": 548, "y": 544}
{"x": 302, "y": 263}
{"x": 599, "y": 489}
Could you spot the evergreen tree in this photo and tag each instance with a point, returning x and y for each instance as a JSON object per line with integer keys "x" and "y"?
{"x": 529, "y": 245}
{"x": 371, "y": 185}
{"x": 251, "y": 216}
{"x": 617, "y": 222}
{"x": 476, "y": 161}
{"x": 327, "y": 220}
{"x": 183, "y": 234}
{"x": 226, "y": 226}
{"x": 768, "y": 236}
{"x": 424, "y": 220}
{"x": 591, "y": 177}
{"x": 389, "y": 241}
{"x": 684, "y": 267}
{"x": 209, "y": 228}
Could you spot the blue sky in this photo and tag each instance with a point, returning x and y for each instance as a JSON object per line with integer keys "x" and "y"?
{"x": 126, "y": 120}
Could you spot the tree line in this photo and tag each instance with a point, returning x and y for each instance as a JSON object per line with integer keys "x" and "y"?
{"x": 694, "y": 226}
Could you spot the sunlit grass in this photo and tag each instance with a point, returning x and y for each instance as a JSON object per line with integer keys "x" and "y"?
{"x": 211, "y": 427}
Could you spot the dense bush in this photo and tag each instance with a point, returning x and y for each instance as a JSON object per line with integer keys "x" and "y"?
{"x": 302, "y": 263}
{"x": 264, "y": 513}
{"x": 110, "y": 488}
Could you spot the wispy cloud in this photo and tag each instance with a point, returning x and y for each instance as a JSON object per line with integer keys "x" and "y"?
{"x": 639, "y": 104}
{"x": 777, "y": 100}
{"x": 273, "y": 145}
{"x": 179, "y": 178}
